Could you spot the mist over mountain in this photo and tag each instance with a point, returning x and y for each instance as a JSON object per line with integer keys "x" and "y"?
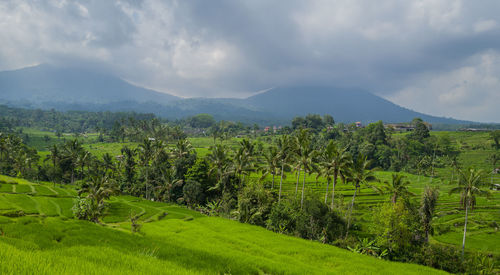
{"x": 65, "y": 89}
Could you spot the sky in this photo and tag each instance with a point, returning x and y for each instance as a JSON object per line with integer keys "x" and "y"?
{"x": 440, "y": 57}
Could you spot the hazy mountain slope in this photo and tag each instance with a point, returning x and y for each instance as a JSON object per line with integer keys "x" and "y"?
{"x": 346, "y": 105}
{"x": 66, "y": 89}
{"x": 44, "y": 84}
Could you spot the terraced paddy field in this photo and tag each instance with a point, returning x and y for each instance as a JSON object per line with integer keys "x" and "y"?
{"x": 45, "y": 239}
{"x": 475, "y": 148}
{"x": 483, "y": 228}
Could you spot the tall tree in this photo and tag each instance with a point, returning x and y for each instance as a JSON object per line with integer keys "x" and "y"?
{"x": 305, "y": 157}
{"x": 336, "y": 162}
{"x": 271, "y": 163}
{"x": 128, "y": 163}
{"x": 220, "y": 161}
{"x": 469, "y": 186}
{"x": 284, "y": 155}
{"x": 397, "y": 187}
{"x": 427, "y": 207}
{"x": 72, "y": 151}
{"x": 145, "y": 151}
{"x": 360, "y": 174}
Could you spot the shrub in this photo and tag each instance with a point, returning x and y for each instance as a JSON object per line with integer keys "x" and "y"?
{"x": 254, "y": 204}
{"x": 314, "y": 221}
{"x": 193, "y": 193}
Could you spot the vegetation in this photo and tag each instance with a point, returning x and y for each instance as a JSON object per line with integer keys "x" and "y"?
{"x": 397, "y": 214}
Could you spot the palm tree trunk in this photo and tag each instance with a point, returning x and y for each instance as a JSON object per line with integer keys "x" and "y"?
{"x": 327, "y": 186}
{"x": 465, "y": 228}
{"x": 281, "y": 181}
{"x": 350, "y": 212}
{"x": 333, "y": 187}
{"x": 303, "y": 187}
{"x": 147, "y": 194}
{"x": 297, "y": 185}
{"x": 272, "y": 184}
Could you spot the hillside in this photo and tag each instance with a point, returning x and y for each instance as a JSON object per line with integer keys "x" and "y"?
{"x": 44, "y": 239}
{"x": 345, "y": 105}
{"x": 48, "y": 86}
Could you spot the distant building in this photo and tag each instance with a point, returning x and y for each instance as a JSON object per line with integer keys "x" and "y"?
{"x": 358, "y": 124}
{"x": 402, "y": 127}
{"x": 267, "y": 129}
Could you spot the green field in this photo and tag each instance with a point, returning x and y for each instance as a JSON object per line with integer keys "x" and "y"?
{"x": 45, "y": 239}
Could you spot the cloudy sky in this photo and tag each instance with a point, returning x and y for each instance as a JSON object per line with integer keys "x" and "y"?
{"x": 441, "y": 57}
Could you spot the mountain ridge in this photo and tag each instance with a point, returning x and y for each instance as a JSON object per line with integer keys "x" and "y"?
{"x": 47, "y": 86}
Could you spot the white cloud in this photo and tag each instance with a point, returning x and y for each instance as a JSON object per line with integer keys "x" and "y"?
{"x": 231, "y": 48}
{"x": 485, "y": 25}
{"x": 471, "y": 92}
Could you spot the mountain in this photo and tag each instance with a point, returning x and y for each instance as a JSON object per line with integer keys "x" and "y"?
{"x": 344, "y": 104}
{"x": 46, "y": 85}
{"x": 64, "y": 89}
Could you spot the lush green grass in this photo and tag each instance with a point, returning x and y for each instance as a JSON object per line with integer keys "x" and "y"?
{"x": 49, "y": 241}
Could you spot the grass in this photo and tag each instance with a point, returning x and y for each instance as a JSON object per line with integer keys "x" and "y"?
{"x": 48, "y": 241}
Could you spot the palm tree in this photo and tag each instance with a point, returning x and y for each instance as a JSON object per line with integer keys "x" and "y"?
{"x": 427, "y": 207}
{"x": 336, "y": 162}
{"x": 398, "y": 187}
{"x": 494, "y": 158}
{"x": 220, "y": 162}
{"x": 83, "y": 159}
{"x": 241, "y": 163}
{"x": 284, "y": 155}
{"x": 109, "y": 165}
{"x": 305, "y": 157}
{"x": 72, "y": 151}
{"x": 469, "y": 183}
{"x": 271, "y": 164}
{"x": 128, "y": 162}
{"x": 54, "y": 155}
{"x": 98, "y": 189}
{"x": 245, "y": 156}
{"x": 145, "y": 150}
{"x": 359, "y": 174}
{"x": 182, "y": 148}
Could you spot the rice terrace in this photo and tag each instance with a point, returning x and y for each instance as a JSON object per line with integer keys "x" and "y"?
{"x": 232, "y": 137}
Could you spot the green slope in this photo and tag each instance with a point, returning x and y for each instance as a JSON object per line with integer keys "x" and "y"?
{"x": 46, "y": 240}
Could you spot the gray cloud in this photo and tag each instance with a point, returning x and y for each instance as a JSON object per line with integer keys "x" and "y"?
{"x": 407, "y": 51}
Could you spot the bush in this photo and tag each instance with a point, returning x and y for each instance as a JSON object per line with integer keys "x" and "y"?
{"x": 314, "y": 221}
{"x": 254, "y": 204}
{"x": 317, "y": 222}
{"x": 441, "y": 257}
{"x": 193, "y": 193}
{"x": 282, "y": 217}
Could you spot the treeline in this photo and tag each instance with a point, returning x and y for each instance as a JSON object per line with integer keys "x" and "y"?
{"x": 67, "y": 122}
